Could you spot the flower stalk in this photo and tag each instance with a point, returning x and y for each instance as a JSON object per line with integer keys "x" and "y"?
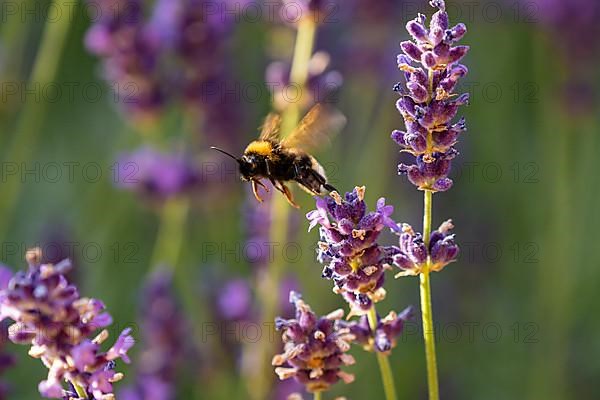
{"x": 385, "y": 368}
{"x": 426, "y": 311}
{"x": 303, "y": 49}
{"x": 169, "y": 239}
{"x": 428, "y": 105}
{"x": 80, "y": 390}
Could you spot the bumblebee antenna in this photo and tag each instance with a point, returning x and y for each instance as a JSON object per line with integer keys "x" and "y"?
{"x": 226, "y": 153}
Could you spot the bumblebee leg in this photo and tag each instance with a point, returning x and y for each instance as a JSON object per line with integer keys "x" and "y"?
{"x": 322, "y": 181}
{"x": 259, "y": 183}
{"x": 255, "y": 190}
{"x": 276, "y": 185}
{"x": 288, "y": 195}
{"x": 329, "y": 187}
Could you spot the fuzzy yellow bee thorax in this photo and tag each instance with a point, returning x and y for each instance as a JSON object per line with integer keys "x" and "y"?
{"x": 261, "y": 147}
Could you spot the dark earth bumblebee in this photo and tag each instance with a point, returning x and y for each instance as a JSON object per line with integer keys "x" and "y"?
{"x": 288, "y": 159}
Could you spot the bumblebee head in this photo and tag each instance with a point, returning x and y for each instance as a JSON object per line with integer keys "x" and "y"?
{"x": 248, "y": 163}
{"x": 249, "y": 166}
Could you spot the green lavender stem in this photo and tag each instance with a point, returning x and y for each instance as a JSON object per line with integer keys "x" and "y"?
{"x": 269, "y": 282}
{"x": 34, "y": 112}
{"x": 303, "y": 49}
{"x": 80, "y": 390}
{"x": 169, "y": 239}
{"x": 385, "y": 368}
{"x": 425, "y": 290}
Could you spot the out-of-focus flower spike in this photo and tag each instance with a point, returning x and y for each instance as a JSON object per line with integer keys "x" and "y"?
{"x": 42, "y": 300}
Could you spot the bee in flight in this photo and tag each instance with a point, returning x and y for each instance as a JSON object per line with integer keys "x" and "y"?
{"x": 288, "y": 159}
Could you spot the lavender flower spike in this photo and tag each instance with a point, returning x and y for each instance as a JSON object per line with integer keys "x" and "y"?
{"x": 348, "y": 248}
{"x": 50, "y": 315}
{"x": 314, "y": 348}
{"x": 428, "y": 104}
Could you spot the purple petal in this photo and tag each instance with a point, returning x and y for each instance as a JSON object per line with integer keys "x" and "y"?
{"x": 417, "y": 30}
{"x": 121, "y": 347}
{"x": 411, "y": 50}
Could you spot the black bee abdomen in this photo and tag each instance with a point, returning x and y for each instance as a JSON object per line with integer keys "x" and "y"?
{"x": 308, "y": 177}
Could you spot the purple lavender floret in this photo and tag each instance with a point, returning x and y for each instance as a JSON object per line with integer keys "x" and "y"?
{"x": 412, "y": 254}
{"x": 156, "y": 174}
{"x": 348, "y": 247}
{"x": 314, "y": 348}
{"x": 164, "y": 331}
{"x": 427, "y": 103}
{"x": 383, "y": 340}
{"x": 50, "y": 315}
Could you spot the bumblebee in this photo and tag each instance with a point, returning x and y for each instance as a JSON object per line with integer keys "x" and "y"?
{"x": 288, "y": 159}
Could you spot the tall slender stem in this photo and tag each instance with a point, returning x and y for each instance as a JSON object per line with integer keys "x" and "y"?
{"x": 384, "y": 363}
{"x": 303, "y": 49}
{"x": 427, "y": 200}
{"x": 427, "y": 315}
{"x": 268, "y": 290}
{"x": 318, "y": 396}
{"x": 32, "y": 116}
{"x": 169, "y": 239}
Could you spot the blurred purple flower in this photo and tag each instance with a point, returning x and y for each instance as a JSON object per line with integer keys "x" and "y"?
{"x": 314, "y": 348}
{"x": 427, "y": 102}
{"x": 574, "y": 24}
{"x": 574, "y": 30}
{"x": 130, "y": 55}
{"x": 156, "y": 174}
{"x": 6, "y": 275}
{"x": 294, "y": 11}
{"x": 257, "y": 226}
{"x": 348, "y": 247}
{"x": 365, "y": 46}
{"x": 286, "y": 389}
{"x": 164, "y": 342}
{"x": 49, "y": 314}
{"x": 235, "y": 300}
{"x": 175, "y": 54}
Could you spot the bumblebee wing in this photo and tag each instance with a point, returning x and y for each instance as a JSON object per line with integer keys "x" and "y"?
{"x": 270, "y": 128}
{"x": 317, "y": 127}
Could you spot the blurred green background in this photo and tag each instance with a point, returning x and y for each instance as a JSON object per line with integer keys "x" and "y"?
{"x": 516, "y": 316}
